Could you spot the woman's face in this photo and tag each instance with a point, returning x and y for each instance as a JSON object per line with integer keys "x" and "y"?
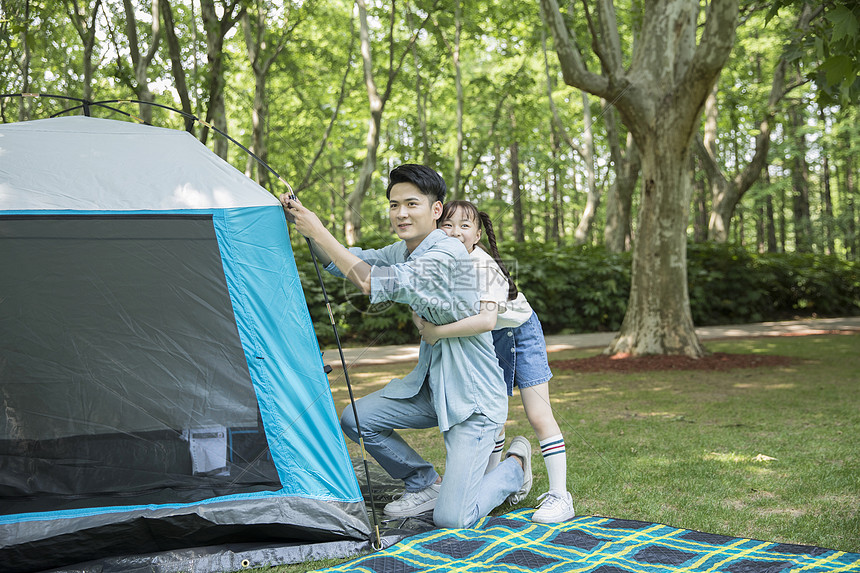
{"x": 460, "y": 226}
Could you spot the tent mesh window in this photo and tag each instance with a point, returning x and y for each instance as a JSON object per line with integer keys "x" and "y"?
{"x": 123, "y": 375}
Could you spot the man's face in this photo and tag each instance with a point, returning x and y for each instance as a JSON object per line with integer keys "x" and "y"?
{"x": 412, "y": 215}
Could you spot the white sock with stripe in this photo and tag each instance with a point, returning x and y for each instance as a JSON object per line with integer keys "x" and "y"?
{"x": 496, "y": 456}
{"x": 555, "y": 457}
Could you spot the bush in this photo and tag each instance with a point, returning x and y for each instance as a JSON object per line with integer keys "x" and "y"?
{"x": 586, "y": 289}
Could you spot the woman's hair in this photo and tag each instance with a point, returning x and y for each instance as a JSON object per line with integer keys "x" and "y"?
{"x": 482, "y": 220}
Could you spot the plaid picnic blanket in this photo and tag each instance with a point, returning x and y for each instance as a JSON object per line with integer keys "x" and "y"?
{"x": 588, "y": 544}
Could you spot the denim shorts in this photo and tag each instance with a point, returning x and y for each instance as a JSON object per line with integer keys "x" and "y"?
{"x": 522, "y": 354}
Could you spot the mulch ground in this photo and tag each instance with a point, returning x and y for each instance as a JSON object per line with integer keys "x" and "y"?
{"x": 714, "y": 361}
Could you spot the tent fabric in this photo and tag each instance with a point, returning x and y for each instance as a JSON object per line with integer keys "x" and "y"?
{"x": 593, "y": 544}
{"x": 162, "y": 384}
{"x": 83, "y": 163}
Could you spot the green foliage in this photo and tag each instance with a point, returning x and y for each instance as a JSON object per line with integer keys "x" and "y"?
{"x": 580, "y": 289}
{"x": 586, "y": 289}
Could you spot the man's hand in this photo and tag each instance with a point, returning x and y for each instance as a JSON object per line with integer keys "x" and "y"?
{"x": 305, "y": 220}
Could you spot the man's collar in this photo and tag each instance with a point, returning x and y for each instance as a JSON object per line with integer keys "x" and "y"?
{"x": 431, "y": 239}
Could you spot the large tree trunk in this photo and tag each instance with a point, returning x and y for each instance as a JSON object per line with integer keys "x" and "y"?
{"x": 660, "y": 96}
{"x": 651, "y": 326}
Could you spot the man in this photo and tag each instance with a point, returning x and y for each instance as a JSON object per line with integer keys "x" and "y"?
{"x": 457, "y": 384}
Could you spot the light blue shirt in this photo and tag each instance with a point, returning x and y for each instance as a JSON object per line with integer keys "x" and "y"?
{"x": 438, "y": 281}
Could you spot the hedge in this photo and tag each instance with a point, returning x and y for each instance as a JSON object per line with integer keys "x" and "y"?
{"x": 586, "y": 289}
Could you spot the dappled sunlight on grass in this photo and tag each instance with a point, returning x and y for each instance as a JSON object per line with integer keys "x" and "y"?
{"x": 692, "y": 447}
{"x": 754, "y": 464}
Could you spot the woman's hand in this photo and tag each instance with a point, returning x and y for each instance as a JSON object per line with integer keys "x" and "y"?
{"x": 418, "y": 321}
{"x": 427, "y": 330}
{"x": 429, "y": 334}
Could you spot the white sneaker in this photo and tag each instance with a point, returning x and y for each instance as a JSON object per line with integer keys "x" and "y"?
{"x": 412, "y": 503}
{"x": 521, "y": 448}
{"x": 554, "y": 507}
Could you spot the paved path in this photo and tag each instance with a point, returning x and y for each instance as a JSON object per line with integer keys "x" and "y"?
{"x": 558, "y": 342}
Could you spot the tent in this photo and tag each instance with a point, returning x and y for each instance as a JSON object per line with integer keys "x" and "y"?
{"x": 161, "y": 384}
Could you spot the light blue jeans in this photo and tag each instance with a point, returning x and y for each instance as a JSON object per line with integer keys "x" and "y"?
{"x": 467, "y": 493}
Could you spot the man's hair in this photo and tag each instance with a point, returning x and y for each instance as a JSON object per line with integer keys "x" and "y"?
{"x": 428, "y": 181}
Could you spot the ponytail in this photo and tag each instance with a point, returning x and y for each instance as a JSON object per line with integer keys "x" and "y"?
{"x": 494, "y": 251}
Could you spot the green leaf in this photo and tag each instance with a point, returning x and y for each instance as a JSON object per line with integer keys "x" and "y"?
{"x": 837, "y": 68}
{"x": 844, "y": 23}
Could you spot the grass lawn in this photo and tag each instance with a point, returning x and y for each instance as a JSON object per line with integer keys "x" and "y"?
{"x": 766, "y": 453}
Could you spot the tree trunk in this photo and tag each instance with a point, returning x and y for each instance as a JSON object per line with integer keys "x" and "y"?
{"x": 352, "y": 220}
{"x": 498, "y": 194}
{"x": 852, "y": 241}
{"x": 619, "y": 198}
{"x": 85, "y": 25}
{"x": 458, "y": 82}
{"x": 555, "y": 222}
{"x": 781, "y": 222}
{"x": 419, "y": 99}
{"x": 263, "y": 50}
{"x": 658, "y": 319}
{"x": 24, "y": 64}
{"x": 700, "y": 207}
{"x": 583, "y": 230}
{"x": 771, "y": 227}
{"x": 827, "y": 200}
{"x": 377, "y": 101}
{"x": 519, "y": 231}
{"x": 216, "y": 30}
{"x": 800, "y": 184}
{"x": 826, "y": 195}
{"x": 175, "y": 53}
{"x": 141, "y": 62}
{"x": 726, "y": 192}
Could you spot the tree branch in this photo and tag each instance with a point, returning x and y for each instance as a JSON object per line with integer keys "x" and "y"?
{"x": 572, "y": 67}
{"x": 306, "y": 179}
{"x": 559, "y": 126}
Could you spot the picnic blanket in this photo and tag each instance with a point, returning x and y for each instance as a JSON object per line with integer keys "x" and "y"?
{"x": 589, "y": 544}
